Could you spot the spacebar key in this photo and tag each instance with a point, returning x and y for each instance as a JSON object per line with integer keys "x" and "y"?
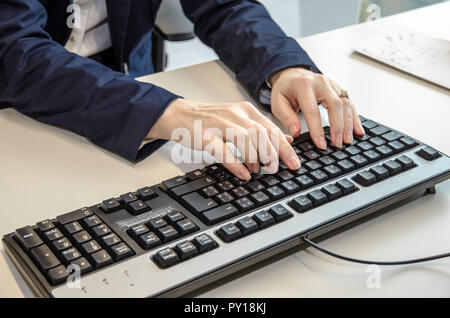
{"x": 192, "y": 186}
{"x": 219, "y": 214}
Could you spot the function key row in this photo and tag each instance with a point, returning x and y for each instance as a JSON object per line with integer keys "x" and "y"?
{"x": 251, "y": 224}
{"x": 159, "y": 230}
{"x": 133, "y": 202}
{"x": 184, "y": 251}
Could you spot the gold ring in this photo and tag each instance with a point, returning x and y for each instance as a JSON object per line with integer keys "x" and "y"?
{"x": 343, "y": 94}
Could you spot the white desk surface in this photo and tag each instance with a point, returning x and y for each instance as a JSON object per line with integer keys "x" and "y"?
{"x": 45, "y": 171}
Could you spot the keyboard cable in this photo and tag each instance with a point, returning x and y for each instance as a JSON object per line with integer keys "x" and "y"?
{"x": 360, "y": 261}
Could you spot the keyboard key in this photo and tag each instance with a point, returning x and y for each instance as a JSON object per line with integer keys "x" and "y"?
{"x": 81, "y": 237}
{"x": 186, "y": 226}
{"x": 137, "y": 207}
{"x": 364, "y": 137}
{"x": 359, "y": 160}
{"x": 45, "y": 225}
{"x": 174, "y": 216}
{"x": 44, "y": 257}
{"x": 186, "y": 250}
{"x": 255, "y": 186}
{"x": 244, "y": 204}
{"x": 300, "y": 171}
{"x": 339, "y": 155}
{"x": 301, "y": 204}
{"x": 317, "y": 197}
{"x": 385, "y": 151}
{"x": 372, "y": 155}
{"x": 346, "y": 186}
{"x": 147, "y": 193}
{"x": 393, "y": 167}
{"x": 260, "y": 198}
{"x": 166, "y": 258}
{"x": 191, "y": 186}
{"x": 239, "y": 182}
{"x": 148, "y": 240}
{"x": 332, "y": 171}
{"x": 279, "y": 213}
{"x": 326, "y": 160}
{"x": 290, "y": 186}
{"x": 264, "y": 219}
{"x": 224, "y": 198}
{"x": 137, "y": 231}
{"x": 219, "y": 214}
{"x": 128, "y": 197}
{"x": 408, "y": 142}
{"x": 70, "y": 255}
{"x": 270, "y": 181}
{"x": 101, "y": 259}
{"x": 204, "y": 243}
{"x": 172, "y": 183}
{"x": 74, "y": 215}
{"x": 377, "y": 131}
{"x": 306, "y": 146}
{"x": 397, "y": 146}
{"x": 209, "y": 192}
{"x": 73, "y": 227}
{"x": 198, "y": 203}
{"x": 365, "y": 178}
{"x": 311, "y": 155}
{"x": 319, "y": 176}
{"x": 313, "y": 165}
{"x": 167, "y": 233}
{"x": 369, "y": 124}
{"x": 57, "y": 275}
{"x": 110, "y": 205}
{"x": 52, "y": 235}
{"x": 194, "y": 175}
{"x": 406, "y": 162}
{"x": 377, "y": 141}
{"x": 365, "y": 146}
{"x": 332, "y": 191}
{"x": 275, "y": 192}
{"x": 229, "y": 232}
{"x": 391, "y": 136}
{"x": 61, "y": 244}
{"x": 84, "y": 266}
{"x": 428, "y": 153}
{"x": 284, "y": 175}
{"x": 304, "y": 181}
{"x": 121, "y": 251}
{"x": 379, "y": 172}
{"x": 156, "y": 222}
{"x": 352, "y": 150}
{"x": 101, "y": 230}
{"x": 239, "y": 192}
{"x": 92, "y": 221}
{"x": 110, "y": 240}
{"x": 345, "y": 165}
{"x": 247, "y": 225}
{"x": 27, "y": 238}
{"x": 91, "y": 247}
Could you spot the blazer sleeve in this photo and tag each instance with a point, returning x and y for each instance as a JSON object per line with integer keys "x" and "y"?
{"x": 246, "y": 39}
{"x": 41, "y": 79}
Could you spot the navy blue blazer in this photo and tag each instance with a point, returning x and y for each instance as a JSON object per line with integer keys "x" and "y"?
{"x": 41, "y": 79}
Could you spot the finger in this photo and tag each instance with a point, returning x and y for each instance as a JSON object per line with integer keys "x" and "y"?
{"x": 331, "y": 101}
{"x": 223, "y": 154}
{"x": 281, "y": 144}
{"x": 283, "y": 110}
{"x": 347, "y": 114}
{"x": 357, "y": 126}
{"x": 239, "y": 136}
{"x": 310, "y": 109}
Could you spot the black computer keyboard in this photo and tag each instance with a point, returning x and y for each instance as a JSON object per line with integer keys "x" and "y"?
{"x": 188, "y": 231}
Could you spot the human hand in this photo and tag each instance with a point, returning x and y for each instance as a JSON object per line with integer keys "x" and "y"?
{"x": 296, "y": 88}
{"x": 257, "y": 138}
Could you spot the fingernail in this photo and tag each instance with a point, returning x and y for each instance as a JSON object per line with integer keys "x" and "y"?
{"x": 322, "y": 142}
{"x": 348, "y": 137}
{"x": 294, "y": 162}
{"x": 244, "y": 174}
{"x": 338, "y": 140}
{"x": 293, "y": 129}
{"x": 272, "y": 168}
{"x": 254, "y": 167}
{"x": 362, "y": 129}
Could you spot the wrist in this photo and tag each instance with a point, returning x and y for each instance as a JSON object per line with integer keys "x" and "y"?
{"x": 161, "y": 129}
{"x": 275, "y": 76}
